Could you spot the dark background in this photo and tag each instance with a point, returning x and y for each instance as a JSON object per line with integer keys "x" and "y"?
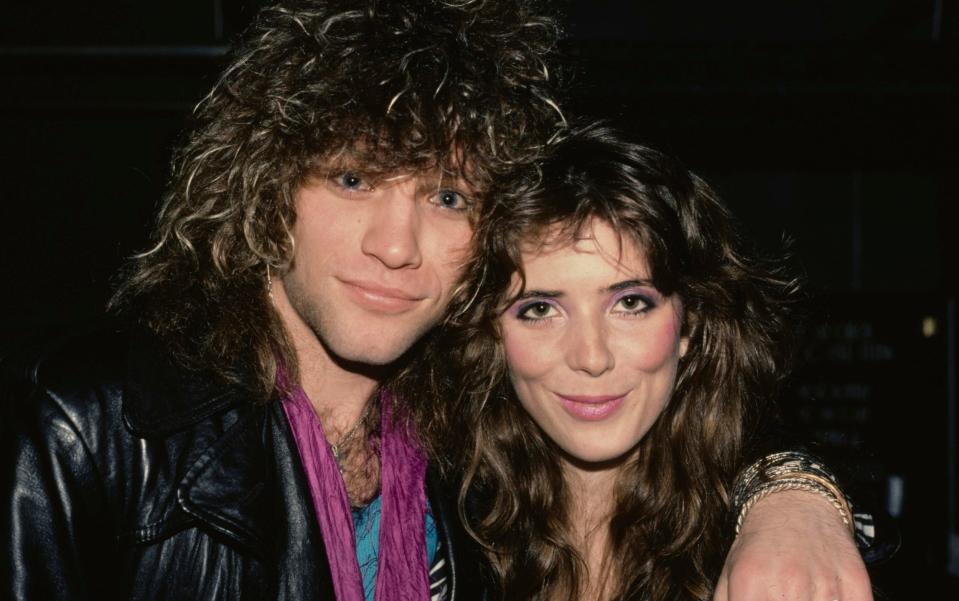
{"x": 833, "y": 124}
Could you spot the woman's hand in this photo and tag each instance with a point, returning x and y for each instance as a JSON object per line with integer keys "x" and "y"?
{"x": 793, "y": 546}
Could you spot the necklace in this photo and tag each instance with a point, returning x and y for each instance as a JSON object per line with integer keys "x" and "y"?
{"x": 338, "y": 448}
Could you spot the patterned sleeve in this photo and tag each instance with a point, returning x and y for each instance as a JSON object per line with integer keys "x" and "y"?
{"x": 439, "y": 574}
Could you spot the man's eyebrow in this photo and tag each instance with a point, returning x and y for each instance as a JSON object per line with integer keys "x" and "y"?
{"x": 445, "y": 181}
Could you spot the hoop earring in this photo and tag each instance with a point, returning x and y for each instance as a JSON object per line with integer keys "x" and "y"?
{"x": 269, "y": 282}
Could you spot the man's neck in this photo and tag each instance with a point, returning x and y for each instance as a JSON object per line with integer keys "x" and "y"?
{"x": 338, "y": 391}
{"x": 338, "y": 395}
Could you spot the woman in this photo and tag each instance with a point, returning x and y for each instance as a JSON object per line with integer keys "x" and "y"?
{"x": 618, "y": 351}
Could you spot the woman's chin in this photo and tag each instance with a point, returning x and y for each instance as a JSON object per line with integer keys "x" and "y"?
{"x": 597, "y": 458}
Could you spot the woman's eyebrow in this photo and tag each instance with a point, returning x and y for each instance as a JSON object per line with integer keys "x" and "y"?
{"x": 540, "y": 294}
{"x": 618, "y": 286}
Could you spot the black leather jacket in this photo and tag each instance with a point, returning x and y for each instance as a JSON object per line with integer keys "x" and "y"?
{"x": 122, "y": 477}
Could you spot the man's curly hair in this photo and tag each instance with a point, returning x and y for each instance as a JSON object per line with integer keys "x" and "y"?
{"x": 402, "y": 86}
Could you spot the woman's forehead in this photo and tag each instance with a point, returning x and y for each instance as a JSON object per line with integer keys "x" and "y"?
{"x": 590, "y": 235}
{"x": 596, "y": 240}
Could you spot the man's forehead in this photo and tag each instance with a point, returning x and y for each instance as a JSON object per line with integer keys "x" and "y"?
{"x": 426, "y": 178}
{"x": 380, "y": 156}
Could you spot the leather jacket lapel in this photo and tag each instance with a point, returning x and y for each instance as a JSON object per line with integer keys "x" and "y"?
{"x": 228, "y": 479}
{"x": 225, "y": 487}
{"x": 250, "y": 487}
{"x": 299, "y": 547}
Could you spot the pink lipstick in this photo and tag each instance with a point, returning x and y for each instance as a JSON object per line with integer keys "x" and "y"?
{"x": 591, "y": 408}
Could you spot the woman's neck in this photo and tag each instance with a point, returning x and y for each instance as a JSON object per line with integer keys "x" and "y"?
{"x": 592, "y": 495}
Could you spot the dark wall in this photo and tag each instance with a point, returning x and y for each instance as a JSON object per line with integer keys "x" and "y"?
{"x": 831, "y": 124}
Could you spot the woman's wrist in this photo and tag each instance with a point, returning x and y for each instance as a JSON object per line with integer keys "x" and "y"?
{"x": 788, "y": 470}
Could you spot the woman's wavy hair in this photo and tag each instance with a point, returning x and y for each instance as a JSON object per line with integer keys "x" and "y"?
{"x": 669, "y": 529}
{"x": 401, "y": 86}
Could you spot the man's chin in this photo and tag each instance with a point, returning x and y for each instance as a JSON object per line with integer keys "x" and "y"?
{"x": 358, "y": 357}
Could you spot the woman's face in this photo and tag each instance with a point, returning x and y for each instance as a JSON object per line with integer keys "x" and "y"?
{"x": 592, "y": 346}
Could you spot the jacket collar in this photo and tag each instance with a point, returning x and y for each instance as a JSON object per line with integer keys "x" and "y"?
{"x": 215, "y": 439}
{"x": 160, "y": 397}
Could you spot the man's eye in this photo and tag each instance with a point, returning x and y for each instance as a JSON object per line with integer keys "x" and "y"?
{"x": 350, "y": 180}
{"x": 451, "y": 199}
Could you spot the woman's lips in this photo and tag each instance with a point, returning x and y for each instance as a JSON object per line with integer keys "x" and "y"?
{"x": 591, "y": 408}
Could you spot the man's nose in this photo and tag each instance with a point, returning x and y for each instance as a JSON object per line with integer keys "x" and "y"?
{"x": 589, "y": 349}
{"x": 393, "y": 228}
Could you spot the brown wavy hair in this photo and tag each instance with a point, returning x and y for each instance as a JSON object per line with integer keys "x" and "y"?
{"x": 669, "y": 529}
{"x": 400, "y": 86}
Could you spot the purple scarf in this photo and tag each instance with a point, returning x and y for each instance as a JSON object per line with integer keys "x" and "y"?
{"x": 402, "y": 573}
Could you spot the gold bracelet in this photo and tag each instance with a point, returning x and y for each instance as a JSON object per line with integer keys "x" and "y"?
{"x": 797, "y": 481}
{"x": 834, "y": 490}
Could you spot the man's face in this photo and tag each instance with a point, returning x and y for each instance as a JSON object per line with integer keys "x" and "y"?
{"x": 374, "y": 262}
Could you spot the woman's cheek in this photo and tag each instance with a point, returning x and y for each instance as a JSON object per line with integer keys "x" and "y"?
{"x": 526, "y": 354}
{"x": 653, "y": 347}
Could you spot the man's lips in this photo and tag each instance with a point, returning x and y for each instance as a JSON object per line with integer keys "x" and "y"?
{"x": 381, "y": 298}
{"x": 591, "y": 408}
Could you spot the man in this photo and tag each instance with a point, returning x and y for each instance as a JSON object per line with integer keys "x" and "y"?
{"x": 229, "y": 442}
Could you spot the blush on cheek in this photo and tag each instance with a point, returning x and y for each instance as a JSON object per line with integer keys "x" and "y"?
{"x": 661, "y": 344}
{"x": 526, "y": 358}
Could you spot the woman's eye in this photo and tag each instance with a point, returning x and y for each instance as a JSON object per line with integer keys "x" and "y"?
{"x": 451, "y": 199}
{"x": 634, "y": 303}
{"x": 534, "y": 311}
